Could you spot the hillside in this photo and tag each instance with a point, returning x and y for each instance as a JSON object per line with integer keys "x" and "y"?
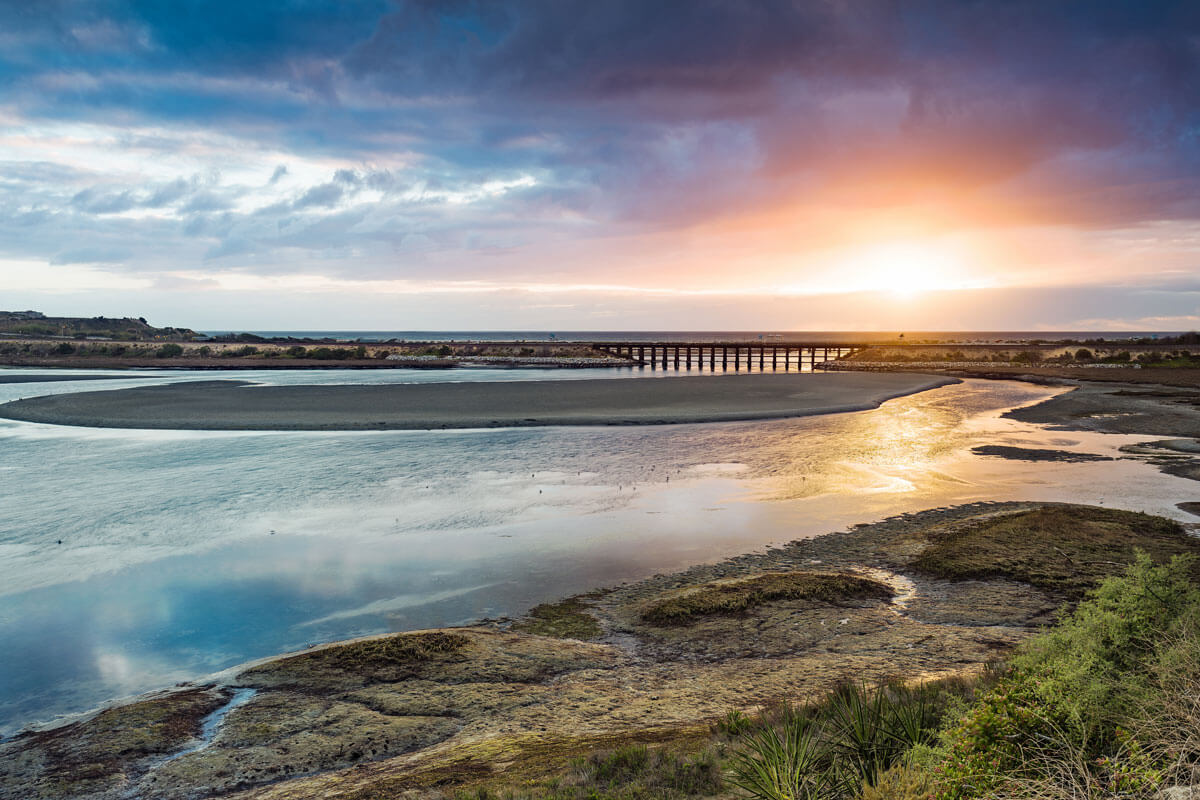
{"x": 34, "y": 323}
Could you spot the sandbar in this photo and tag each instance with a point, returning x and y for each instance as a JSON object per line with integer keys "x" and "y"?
{"x": 23, "y": 378}
{"x": 239, "y": 405}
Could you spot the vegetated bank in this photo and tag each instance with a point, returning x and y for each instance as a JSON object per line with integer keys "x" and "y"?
{"x": 168, "y": 348}
{"x": 34, "y": 325}
{"x": 853, "y": 665}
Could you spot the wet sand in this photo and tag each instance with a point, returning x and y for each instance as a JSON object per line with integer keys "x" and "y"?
{"x": 21, "y": 378}
{"x": 1114, "y": 407}
{"x": 238, "y": 405}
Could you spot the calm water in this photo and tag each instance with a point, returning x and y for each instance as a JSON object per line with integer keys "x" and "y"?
{"x": 184, "y": 553}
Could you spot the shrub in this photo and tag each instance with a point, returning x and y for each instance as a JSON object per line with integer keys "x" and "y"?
{"x": 1059, "y": 718}
{"x": 1088, "y": 663}
{"x": 64, "y": 349}
{"x": 901, "y": 782}
{"x": 169, "y": 350}
{"x": 1083, "y": 354}
{"x": 733, "y": 723}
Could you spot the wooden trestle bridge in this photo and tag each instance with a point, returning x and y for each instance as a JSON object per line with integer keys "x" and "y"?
{"x": 768, "y": 355}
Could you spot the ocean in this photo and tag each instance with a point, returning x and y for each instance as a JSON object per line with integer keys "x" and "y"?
{"x": 131, "y": 560}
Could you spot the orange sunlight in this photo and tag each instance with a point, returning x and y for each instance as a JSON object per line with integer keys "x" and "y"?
{"x": 904, "y": 268}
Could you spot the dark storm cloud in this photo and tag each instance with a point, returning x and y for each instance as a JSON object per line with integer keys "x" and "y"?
{"x": 631, "y": 113}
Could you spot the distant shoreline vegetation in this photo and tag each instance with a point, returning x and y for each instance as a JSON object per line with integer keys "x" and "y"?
{"x": 29, "y": 324}
{"x": 30, "y": 338}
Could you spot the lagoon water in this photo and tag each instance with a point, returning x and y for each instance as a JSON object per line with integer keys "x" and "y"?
{"x": 130, "y": 560}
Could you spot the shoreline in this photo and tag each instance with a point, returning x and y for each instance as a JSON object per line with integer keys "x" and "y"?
{"x": 634, "y": 683}
{"x": 408, "y": 711}
{"x": 239, "y": 405}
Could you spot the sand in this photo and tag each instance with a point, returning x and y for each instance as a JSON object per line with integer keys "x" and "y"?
{"x": 238, "y": 405}
{"x": 21, "y": 378}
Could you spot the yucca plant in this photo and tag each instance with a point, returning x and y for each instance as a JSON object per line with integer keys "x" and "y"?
{"x": 858, "y": 718}
{"x": 786, "y": 762}
{"x": 912, "y": 716}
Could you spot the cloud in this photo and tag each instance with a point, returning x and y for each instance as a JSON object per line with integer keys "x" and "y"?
{"x": 669, "y": 140}
{"x": 176, "y": 283}
{"x": 91, "y": 255}
{"x": 326, "y": 195}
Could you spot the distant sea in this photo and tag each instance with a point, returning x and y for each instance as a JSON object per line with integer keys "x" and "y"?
{"x": 699, "y": 336}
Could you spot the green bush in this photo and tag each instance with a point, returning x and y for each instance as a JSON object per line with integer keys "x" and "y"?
{"x": 1094, "y": 661}
{"x": 1063, "y": 711}
{"x": 170, "y": 350}
{"x": 901, "y": 782}
{"x": 733, "y": 723}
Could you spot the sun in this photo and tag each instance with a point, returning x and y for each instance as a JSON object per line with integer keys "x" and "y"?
{"x": 907, "y": 269}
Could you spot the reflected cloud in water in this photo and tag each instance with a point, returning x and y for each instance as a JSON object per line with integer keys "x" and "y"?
{"x": 184, "y": 555}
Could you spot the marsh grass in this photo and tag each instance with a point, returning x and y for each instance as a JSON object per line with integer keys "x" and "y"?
{"x": 741, "y": 596}
{"x": 388, "y": 658}
{"x": 392, "y": 650}
{"x": 1066, "y": 550}
{"x": 568, "y": 619}
{"x": 850, "y": 739}
{"x": 628, "y": 772}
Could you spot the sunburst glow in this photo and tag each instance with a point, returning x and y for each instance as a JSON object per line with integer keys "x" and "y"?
{"x": 908, "y": 269}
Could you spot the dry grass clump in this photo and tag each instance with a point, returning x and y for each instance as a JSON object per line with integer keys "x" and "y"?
{"x": 391, "y": 651}
{"x": 734, "y": 598}
{"x": 390, "y": 658}
{"x": 1067, "y": 550}
{"x": 568, "y": 619}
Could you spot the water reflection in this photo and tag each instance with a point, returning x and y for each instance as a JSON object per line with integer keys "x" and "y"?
{"x": 185, "y": 553}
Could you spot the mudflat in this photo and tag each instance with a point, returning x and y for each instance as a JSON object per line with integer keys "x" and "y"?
{"x": 431, "y": 714}
{"x": 239, "y": 405}
{"x": 22, "y": 378}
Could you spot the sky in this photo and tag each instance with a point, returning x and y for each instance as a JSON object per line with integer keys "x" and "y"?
{"x": 610, "y": 164}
